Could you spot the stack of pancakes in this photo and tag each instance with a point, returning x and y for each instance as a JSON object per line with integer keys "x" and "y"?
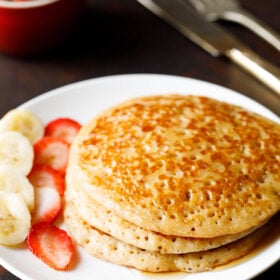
{"x": 173, "y": 183}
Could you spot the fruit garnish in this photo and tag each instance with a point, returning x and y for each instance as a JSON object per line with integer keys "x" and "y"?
{"x": 63, "y": 128}
{"x": 52, "y": 245}
{"x": 53, "y": 152}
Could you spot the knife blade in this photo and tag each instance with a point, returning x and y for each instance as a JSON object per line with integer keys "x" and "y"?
{"x": 214, "y": 39}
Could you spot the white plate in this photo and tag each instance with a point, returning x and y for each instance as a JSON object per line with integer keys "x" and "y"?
{"x": 82, "y": 101}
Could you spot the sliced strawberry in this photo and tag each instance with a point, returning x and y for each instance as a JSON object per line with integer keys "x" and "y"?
{"x": 49, "y": 188}
{"x": 48, "y": 204}
{"x": 53, "y": 152}
{"x": 62, "y": 128}
{"x": 43, "y": 175}
{"x": 52, "y": 245}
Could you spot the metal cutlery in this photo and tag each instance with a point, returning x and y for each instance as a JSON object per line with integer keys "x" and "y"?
{"x": 232, "y": 11}
{"x": 215, "y": 40}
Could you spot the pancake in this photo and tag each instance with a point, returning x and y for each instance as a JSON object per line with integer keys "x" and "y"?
{"x": 180, "y": 165}
{"x": 106, "y": 247}
{"x": 98, "y": 217}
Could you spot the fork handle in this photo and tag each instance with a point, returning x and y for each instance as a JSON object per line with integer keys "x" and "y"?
{"x": 254, "y": 24}
{"x": 264, "y": 71}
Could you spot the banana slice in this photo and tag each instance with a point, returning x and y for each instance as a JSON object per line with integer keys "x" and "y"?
{"x": 15, "y": 219}
{"x": 16, "y": 151}
{"x": 24, "y": 122}
{"x": 15, "y": 182}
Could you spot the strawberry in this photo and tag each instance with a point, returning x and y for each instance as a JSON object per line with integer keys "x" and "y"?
{"x": 45, "y": 175}
{"x": 52, "y": 245}
{"x": 62, "y": 128}
{"x": 48, "y": 204}
{"x": 53, "y": 152}
{"x": 49, "y": 187}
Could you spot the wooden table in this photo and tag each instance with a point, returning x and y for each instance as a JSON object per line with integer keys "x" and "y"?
{"x": 120, "y": 36}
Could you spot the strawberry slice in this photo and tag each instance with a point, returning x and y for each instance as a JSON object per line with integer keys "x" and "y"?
{"x": 49, "y": 187}
{"x": 62, "y": 128}
{"x": 48, "y": 205}
{"x": 45, "y": 175}
{"x": 53, "y": 152}
{"x": 52, "y": 245}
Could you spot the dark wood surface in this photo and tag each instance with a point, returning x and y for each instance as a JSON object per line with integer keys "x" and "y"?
{"x": 120, "y": 37}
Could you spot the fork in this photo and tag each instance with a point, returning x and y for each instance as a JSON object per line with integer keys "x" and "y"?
{"x": 232, "y": 11}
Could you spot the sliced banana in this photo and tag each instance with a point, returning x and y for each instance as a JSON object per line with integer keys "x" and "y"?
{"x": 16, "y": 151}
{"x": 24, "y": 122}
{"x": 15, "y": 219}
{"x": 15, "y": 182}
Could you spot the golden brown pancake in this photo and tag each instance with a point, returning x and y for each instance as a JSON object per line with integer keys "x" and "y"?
{"x": 95, "y": 215}
{"x": 108, "y": 248}
{"x": 180, "y": 165}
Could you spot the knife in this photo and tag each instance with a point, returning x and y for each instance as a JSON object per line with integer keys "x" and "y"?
{"x": 214, "y": 39}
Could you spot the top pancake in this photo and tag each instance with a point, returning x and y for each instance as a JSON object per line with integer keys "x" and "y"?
{"x": 181, "y": 165}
